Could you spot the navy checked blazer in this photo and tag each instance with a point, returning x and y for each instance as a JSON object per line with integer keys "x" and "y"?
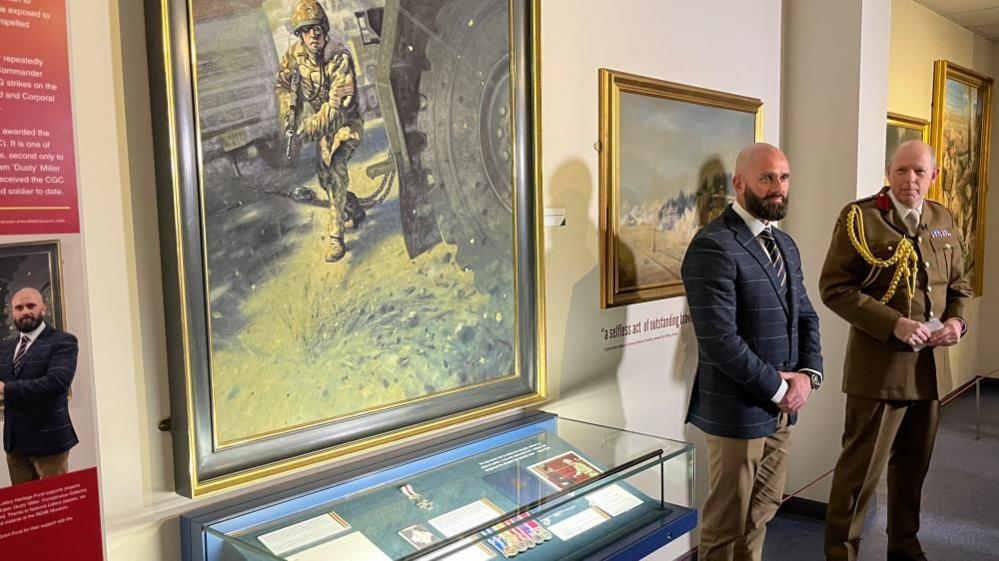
{"x": 36, "y": 402}
{"x": 746, "y": 330}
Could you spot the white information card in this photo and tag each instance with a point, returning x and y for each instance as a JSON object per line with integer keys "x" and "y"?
{"x": 461, "y": 519}
{"x": 577, "y": 524}
{"x": 305, "y": 532}
{"x": 614, "y": 500}
{"x": 352, "y": 547}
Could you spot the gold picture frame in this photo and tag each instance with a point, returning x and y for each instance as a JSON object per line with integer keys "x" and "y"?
{"x": 961, "y": 136}
{"x": 261, "y": 386}
{"x": 667, "y": 154}
{"x": 903, "y": 128}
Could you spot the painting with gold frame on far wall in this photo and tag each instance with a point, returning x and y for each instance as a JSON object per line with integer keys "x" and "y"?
{"x": 902, "y": 128}
{"x": 667, "y": 156}
{"x": 961, "y": 126}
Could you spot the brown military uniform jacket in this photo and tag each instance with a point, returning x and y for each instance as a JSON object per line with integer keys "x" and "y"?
{"x": 877, "y": 364}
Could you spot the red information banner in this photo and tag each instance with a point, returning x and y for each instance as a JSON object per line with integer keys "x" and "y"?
{"x": 57, "y": 518}
{"x": 37, "y": 157}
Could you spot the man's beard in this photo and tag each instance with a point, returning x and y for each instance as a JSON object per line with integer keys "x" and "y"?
{"x": 27, "y": 324}
{"x": 764, "y": 210}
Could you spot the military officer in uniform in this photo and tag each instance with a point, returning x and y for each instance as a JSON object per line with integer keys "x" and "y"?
{"x": 895, "y": 272}
{"x": 316, "y": 91}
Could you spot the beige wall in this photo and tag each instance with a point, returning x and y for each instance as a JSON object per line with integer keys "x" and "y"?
{"x": 988, "y": 320}
{"x": 919, "y": 37}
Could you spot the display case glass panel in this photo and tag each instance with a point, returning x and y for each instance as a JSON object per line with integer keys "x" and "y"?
{"x": 542, "y": 488}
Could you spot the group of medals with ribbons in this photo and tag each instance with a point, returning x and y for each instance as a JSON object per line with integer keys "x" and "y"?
{"x": 510, "y": 537}
{"x": 517, "y": 535}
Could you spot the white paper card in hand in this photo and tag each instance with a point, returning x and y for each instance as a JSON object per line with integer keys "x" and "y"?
{"x": 933, "y": 325}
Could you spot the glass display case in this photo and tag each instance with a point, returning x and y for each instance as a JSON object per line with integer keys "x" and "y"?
{"x": 535, "y": 487}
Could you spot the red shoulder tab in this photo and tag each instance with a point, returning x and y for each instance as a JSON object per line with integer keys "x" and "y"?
{"x": 883, "y": 202}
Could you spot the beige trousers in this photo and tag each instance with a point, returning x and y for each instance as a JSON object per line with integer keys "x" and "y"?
{"x": 31, "y": 468}
{"x": 745, "y": 487}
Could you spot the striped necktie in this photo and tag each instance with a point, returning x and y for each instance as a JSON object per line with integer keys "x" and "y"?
{"x": 21, "y": 349}
{"x": 776, "y": 261}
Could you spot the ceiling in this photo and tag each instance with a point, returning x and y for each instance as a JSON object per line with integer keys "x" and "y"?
{"x": 980, "y": 16}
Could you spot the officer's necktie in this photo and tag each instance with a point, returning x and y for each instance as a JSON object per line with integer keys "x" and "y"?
{"x": 776, "y": 261}
{"x": 912, "y": 222}
{"x": 21, "y": 348}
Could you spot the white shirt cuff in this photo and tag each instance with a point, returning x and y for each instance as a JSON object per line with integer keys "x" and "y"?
{"x": 777, "y": 397}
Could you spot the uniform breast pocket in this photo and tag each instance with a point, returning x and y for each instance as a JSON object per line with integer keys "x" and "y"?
{"x": 944, "y": 251}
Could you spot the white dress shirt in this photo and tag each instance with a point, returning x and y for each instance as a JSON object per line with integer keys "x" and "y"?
{"x": 756, "y": 226}
{"x": 32, "y": 335}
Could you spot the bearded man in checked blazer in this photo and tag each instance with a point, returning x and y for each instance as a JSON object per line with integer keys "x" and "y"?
{"x": 759, "y": 355}
{"x": 895, "y": 272}
{"x": 36, "y": 370}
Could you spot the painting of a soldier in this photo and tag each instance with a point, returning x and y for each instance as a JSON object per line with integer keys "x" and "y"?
{"x": 960, "y": 185}
{"x": 313, "y": 77}
{"x": 351, "y": 266}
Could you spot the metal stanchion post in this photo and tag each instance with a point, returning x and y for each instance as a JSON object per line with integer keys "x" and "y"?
{"x": 978, "y": 408}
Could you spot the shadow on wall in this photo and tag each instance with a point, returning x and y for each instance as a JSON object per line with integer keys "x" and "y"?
{"x": 684, "y": 372}
{"x": 586, "y": 373}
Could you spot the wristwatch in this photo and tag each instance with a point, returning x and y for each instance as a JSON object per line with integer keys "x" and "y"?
{"x": 816, "y": 379}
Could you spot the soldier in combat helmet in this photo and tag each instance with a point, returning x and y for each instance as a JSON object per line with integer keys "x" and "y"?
{"x": 316, "y": 91}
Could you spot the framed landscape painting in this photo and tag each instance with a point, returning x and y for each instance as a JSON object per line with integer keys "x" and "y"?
{"x": 961, "y": 136}
{"x": 667, "y": 155}
{"x": 349, "y": 203}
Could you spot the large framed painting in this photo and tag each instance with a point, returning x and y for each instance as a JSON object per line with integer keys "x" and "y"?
{"x": 667, "y": 155}
{"x": 35, "y": 265}
{"x": 349, "y": 198}
{"x": 903, "y": 128}
{"x": 961, "y": 131}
